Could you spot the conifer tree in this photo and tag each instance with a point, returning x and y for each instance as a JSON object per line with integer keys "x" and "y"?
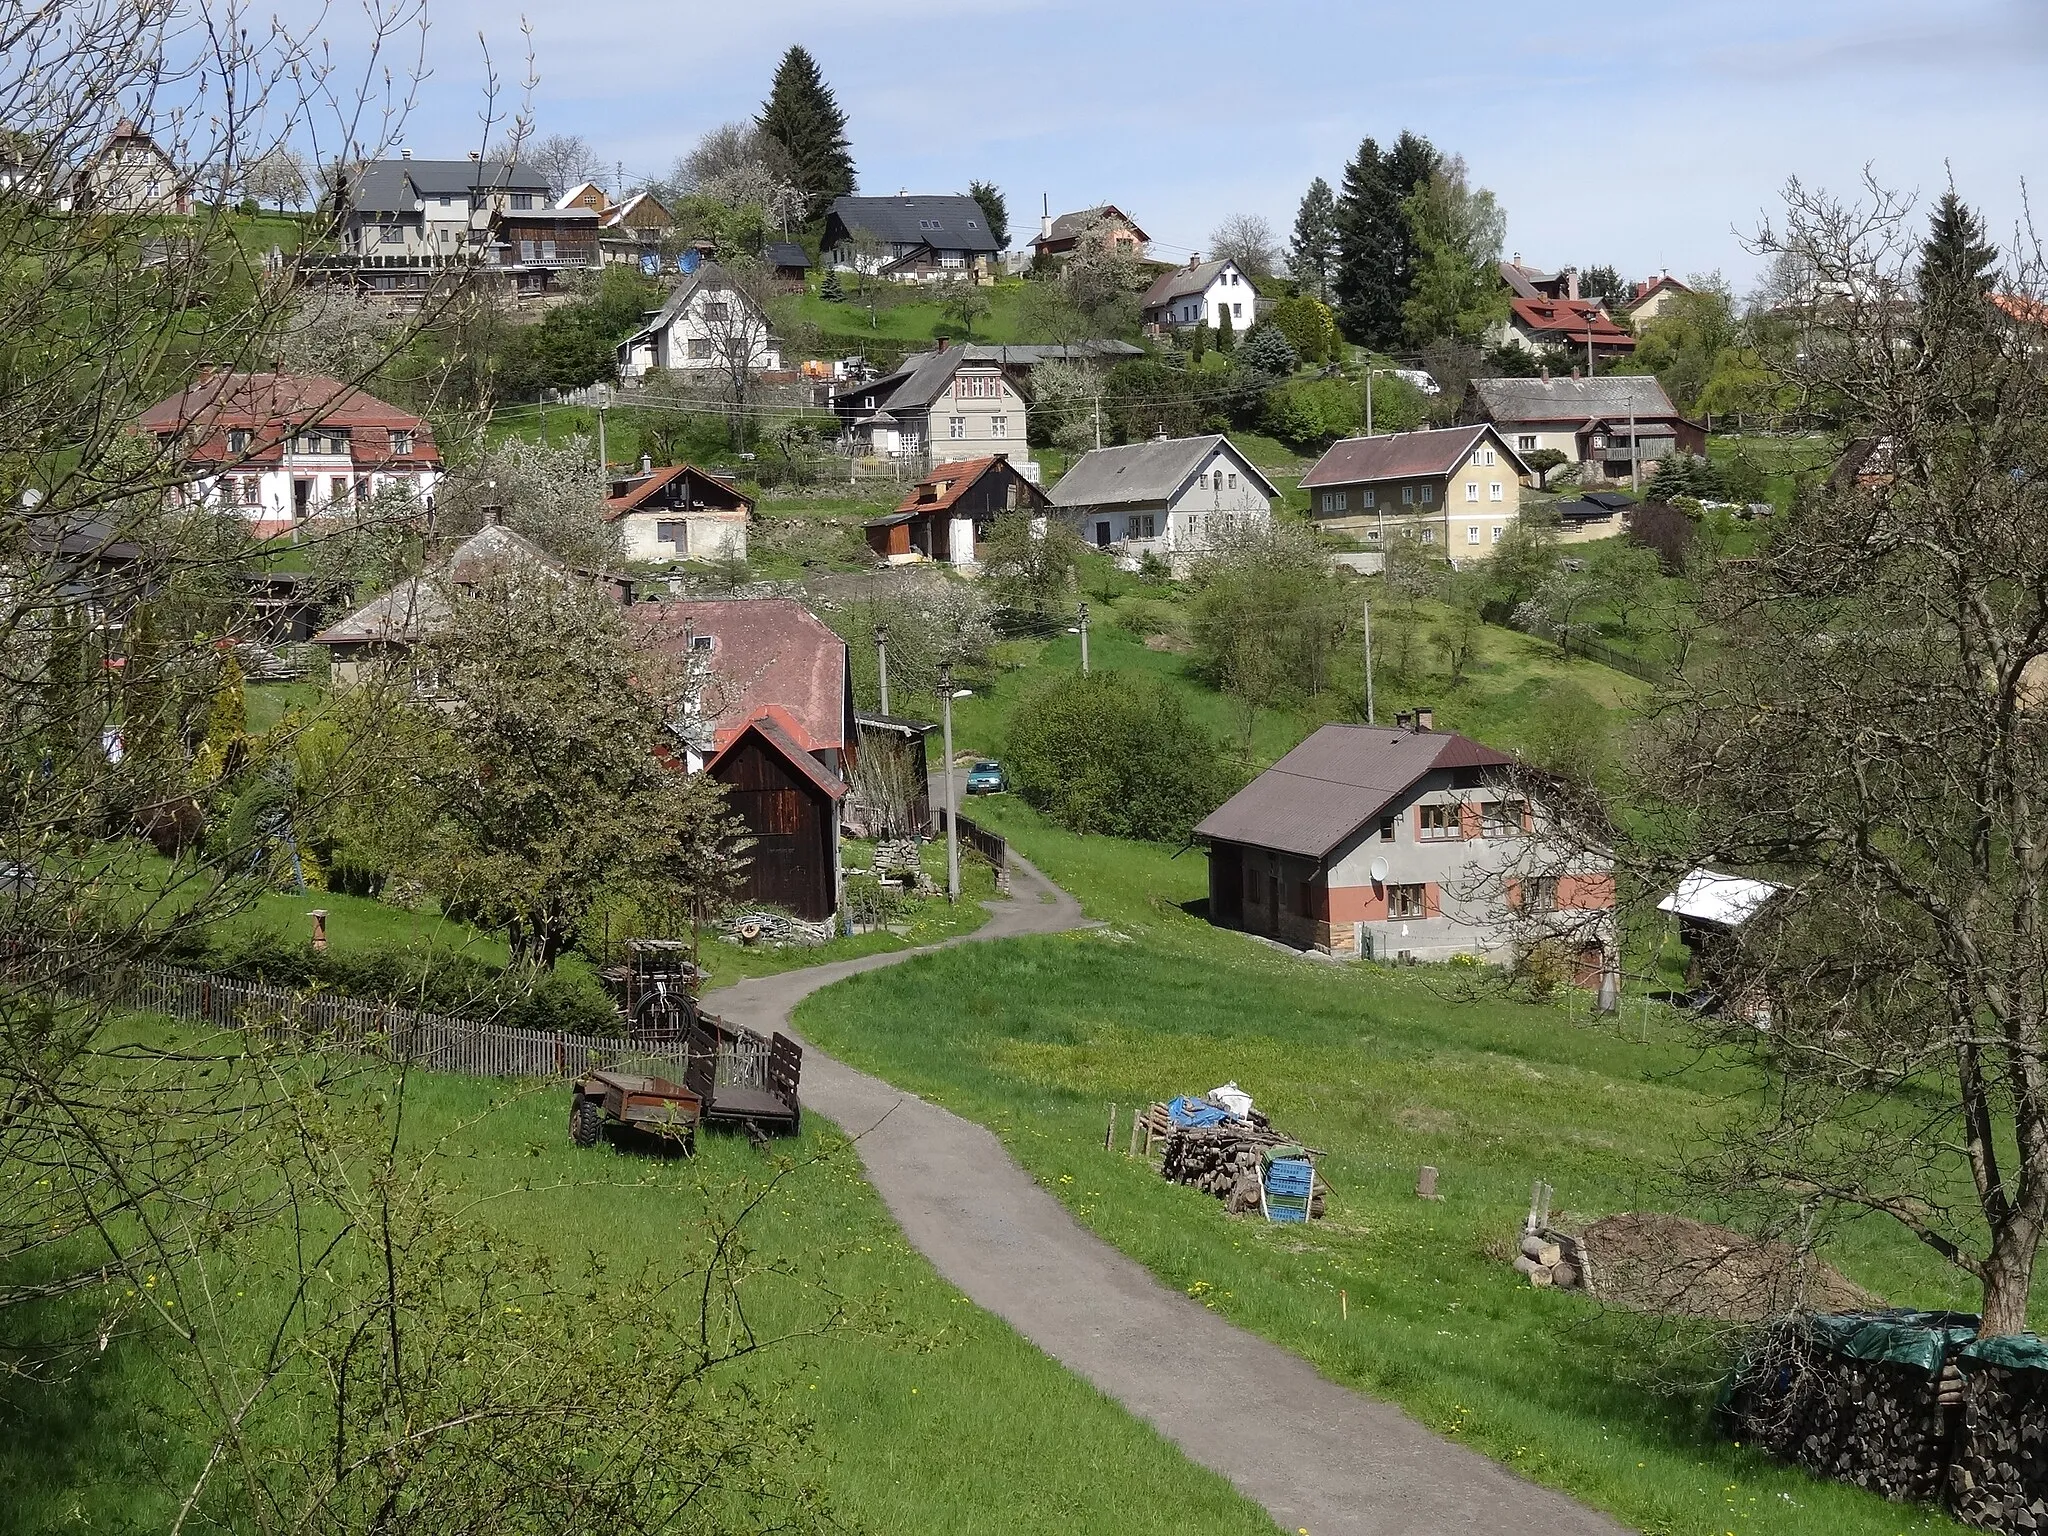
{"x": 994, "y": 208}
{"x": 1312, "y": 253}
{"x": 1956, "y": 275}
{"x": 829, "y": 290}
{"x": 802, "y": 115}
{"x": 1375, "y": 247}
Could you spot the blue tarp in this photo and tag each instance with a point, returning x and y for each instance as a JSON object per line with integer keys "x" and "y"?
{"x": 1194, "y": 1113}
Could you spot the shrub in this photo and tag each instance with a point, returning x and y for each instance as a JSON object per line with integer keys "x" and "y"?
{"x": 1108, "y": 754}
{"x": 1664, "y": 530}
{"x": 1312, "y": 413}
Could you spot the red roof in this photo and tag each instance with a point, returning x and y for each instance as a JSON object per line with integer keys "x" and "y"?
{"x": 270, "y": 406}
{"x": 770, "y": 730}
{"x": 618, "y": 506}
{"x": 947, "y": 483}
{"x": 1402, "y": 456}
{"x": 770, "y": 658}
{"x": 1572, "y": 320}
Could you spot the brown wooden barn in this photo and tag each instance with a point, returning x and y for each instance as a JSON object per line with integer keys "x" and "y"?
{"x": 790, "y": 804}
{"x": 947, "y": 514}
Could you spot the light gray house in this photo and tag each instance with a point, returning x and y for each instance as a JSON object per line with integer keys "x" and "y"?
{"x": 1170, "y": 497}
{"x": 914, "y": 239}
{"x": 1404, "y": 842}
{"x": 960, "y": 402}
{"x": 708, "y": 324}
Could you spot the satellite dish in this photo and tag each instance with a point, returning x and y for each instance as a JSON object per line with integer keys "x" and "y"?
{"x": 1379, "y": 871}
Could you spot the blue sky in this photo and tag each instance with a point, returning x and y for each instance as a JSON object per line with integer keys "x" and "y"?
{"x": 1646, "y": 135}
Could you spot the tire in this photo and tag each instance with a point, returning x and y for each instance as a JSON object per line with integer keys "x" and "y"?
{"x": 586, "y": 1122}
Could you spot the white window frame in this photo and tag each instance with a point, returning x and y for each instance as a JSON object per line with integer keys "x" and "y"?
{"x": 956, "y": 427}
{"x": 1471, "y": 490}
{"x": 1368, "y": 502}
{"x": 1429, "y": 495}
{"x": 1496, "y": 492}
{"x": 1407, "y": 495}
{"x": 999, "y": 426}
{"x": 1498, "y": 530}
{"x": 1471, "y": 533}
{"x": 1429, "y": 535}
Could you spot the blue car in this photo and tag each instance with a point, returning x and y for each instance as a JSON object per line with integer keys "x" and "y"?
{"x": 986, "y": 778}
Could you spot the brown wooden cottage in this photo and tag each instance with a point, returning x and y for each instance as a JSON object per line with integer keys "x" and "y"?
{"x": 948, "y": 513}
{"x": 789, "y": 802}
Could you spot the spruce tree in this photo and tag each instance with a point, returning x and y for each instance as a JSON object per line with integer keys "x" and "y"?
{"x": 1313, "y": 251}
{"x": 1957, "y": 274}
{"x": 802, "y": 116}
{"x": 1375, "y": 248}
{"x": 829, "y": 290}
{"x": 994, "y": 208}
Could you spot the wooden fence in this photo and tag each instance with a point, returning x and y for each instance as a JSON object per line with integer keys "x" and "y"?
{"x": 975, "y": 837}
{"x": 385, "y": 1030}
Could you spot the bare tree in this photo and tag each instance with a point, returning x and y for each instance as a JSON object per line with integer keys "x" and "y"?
{"x": 733, "y": 317}
{"x": 1248, "y": 240}
{"x": 567, "y": 160}
{"x": 1102, "y": 278}
{"x": 277, "y": 176}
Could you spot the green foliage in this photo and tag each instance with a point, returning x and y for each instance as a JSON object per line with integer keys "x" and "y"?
{"x": 1684, "y": 474}
{"x": 1376, "y": 247}
{"x": 1226, "y": 330}
{"x": 1145, "y": 395}
{"x": 1029, "y": 571}
{"x": 1605, "y": 284}
{"x": 994, "y": 208}
{"x": 829, "y": 290}
{"x": 1267, "y": 350}
{"x": 1456, "y": 232}
{"x": 1312, "y": 253}
{"x": 1106, "y": 753}
{"x": 802, "y": 115}
{"x": 1313, "y": 413}
{"x": 1687, "y": 343}
{"x": 1543, "y": 461}
{"x": 1267, "y": 617}
{"x": 1310, "y": 327}
{"x": 573, "y": 345}
{"x": 1958, "y": 265}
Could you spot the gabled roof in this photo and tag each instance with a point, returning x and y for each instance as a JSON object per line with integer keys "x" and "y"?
{"x": 1182, "y": 282}
{"x": 1573, "y": 400}
{"x": 1071, "y": 226}
{"x": 952, "y": 223}
{"x": 770, "y": 728}
{"x": 1721, "y": 901}
{"x": 765, "y": 651}
{"x": 947, "y": 483}
{"x": 579, "y": 196}
{"x": 1665, "y": 283}
{"x": 1402, "y": 456}
{"x": 710, "y": 275}
{"x": 395, "y": 186}
{"x": 1323, "y": 792}
{"x": 1145, "y": 472}
{"x": 1571, "y": 320}
{"x": 418, "y": 606}
{"x": 220, "y": 399}
{"x": 640, "y": 202}
{"x": 785, "y": 253}
{"x": 642, "y": 487}
{"x": 919, "y": 379}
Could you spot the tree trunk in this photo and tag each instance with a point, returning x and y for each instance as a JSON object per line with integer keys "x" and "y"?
{"x": 2009, "y": 1278}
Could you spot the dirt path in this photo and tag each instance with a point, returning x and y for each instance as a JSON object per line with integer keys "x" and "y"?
{"x": 1317, "y": 1456}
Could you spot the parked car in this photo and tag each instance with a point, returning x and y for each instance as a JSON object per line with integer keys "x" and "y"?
{"x": 986, "y": 778}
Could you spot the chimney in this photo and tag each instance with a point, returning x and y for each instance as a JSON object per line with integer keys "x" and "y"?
{"x": 1159, "y": 433}
{"x": 1401, "y": 718}
{"x": 1517, "y": 258}
{"x": 1575, "y": 370}
{"x": 405, "y": 154}
{"x": 1571, "y": 283}
{"x": 1000, "y": 458}
{"x": 1194, "y": 260}
{"x": 646, "y": 463}
{"x": 943, "y": 342}
{"x": 1546, "y": 373}
{"x": 1425, "y": 718}
{"x": 493, "y": 516}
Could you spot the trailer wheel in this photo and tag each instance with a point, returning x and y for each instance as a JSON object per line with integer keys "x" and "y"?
{"x": 586, "y": 1122}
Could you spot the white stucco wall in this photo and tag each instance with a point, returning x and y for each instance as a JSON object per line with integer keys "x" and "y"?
{"x": 705, "y": 535}
{"x": 274, "y": 508}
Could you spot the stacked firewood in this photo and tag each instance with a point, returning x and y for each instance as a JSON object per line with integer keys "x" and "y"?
{"x": 1999, "y": 1476}
{"x": 1553, "y": 1259}
{"x": 1224, "y": 1161}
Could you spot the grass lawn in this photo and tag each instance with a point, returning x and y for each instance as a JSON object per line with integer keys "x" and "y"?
{"x": 904, "y": 313}
{"x": 1784, "y": 458}
{"x": 1388, "y": 1071}
{"x": 943, "y": 1420}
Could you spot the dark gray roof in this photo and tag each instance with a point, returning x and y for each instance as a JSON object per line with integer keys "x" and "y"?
{"x": 1610, "y": 394}
{"x": 1181, "y": 282}
{"x": 1402, "y": 455}
{"x": 1071, "y": 226}
{"x": 419, "y": 606}
{"x": 395, "y": 186}
{"x": 1313, "y": 800}
{"x": 711, "y": 275}
{"x": 1031, "y": 355}
{"x": 785, "y": 253}
{"x": 1144, "y": 472}
{"x": 917, "y": 382}
{"x": 945, "y": 223}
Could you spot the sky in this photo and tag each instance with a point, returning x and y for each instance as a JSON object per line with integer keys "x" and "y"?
{"x": 1649, "y": 136}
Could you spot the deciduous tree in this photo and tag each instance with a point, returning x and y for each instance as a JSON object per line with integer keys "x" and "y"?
{"x": 1248, "y": 240}
{"x": 1455, "y": 231}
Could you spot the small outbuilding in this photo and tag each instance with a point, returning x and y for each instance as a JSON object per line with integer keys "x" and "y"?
{"x": 1712, "y": 910}
{"x": 948, "y": 513}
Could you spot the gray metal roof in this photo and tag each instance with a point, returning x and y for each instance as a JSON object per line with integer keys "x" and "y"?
{"x": 418, "y": 606}
{"x": 785, "y": 253}
{"x": 1181, "y": 282}
{"x": 1317, "y": 796}
{"x": 1610, "y": 394}
{"x": 953, "y": 223}
{"x": 1144, "y": 472}
{"x": 711, "y": 275}
{"x": 397, "y": 186}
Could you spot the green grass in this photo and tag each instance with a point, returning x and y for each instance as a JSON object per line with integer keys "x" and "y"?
{"x": 945, "y": 1420}
{"x": 1388, "y": 1071}
{"x": 1786, "y": 460}
{"x": 903, "y": 313}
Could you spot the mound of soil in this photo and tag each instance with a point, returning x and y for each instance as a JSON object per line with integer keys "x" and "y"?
{"x": 1678, "y": 1267}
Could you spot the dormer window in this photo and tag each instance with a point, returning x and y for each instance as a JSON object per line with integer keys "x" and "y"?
{"x": 401, "y": 443}
{"x": 238, "y": 441}
{"x": 700, "y": 643}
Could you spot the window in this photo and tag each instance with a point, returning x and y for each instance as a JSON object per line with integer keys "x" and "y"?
{"x": 1367, "y": 500}
{"x": 252, "y": 491}
{"x": 676, "y": 534}
{"x": 956, "y": 426}
{"x": 952, "y": 259}
{"x": 1471, "y": 490}
{"x": 1372, "y": 535}
{"x": 1144, "y": 525}
{"x": 390, "y": 234}
{"x": 1237, "y": 311}
{"x": 1472, "y": 534}
{"x": 700, "y": 642}
{"x": 1500, "y": 818}
{"x": 1441, "y": 823}
{"x": 526, "y": 250}
{"x": 1387, "y": 824}
{"x": 337, "y": 442}
{"x": 1497, "y": 530}
{"x": 522, "y": 200}
{"x": 700, "y": 346}
{"x": 447, "y": 200}
{"x": 999, "y": 426}
{"x": 306, "y": 442}
{"x": 1526, "y": 443}
{"x": 238, "y": 441}
{"x": 401, "y": 443}
{"x": 1232, "y": 276}
{"x": 717, "y": 310}
{"x": 1489, "y": 455}
{"x": 547, "y": 250}
{"x": 1407, "y": 901}
{"x": 1495, "y": 491}
{"x": 337, "y": 488}
{"x": 1407, "y": 495}
{"x": 1429, "y": 535}
{"x": 1539, "y": 893}
{"x": 1304, "y": 898}
{"x": 1335, "y": 501}
{"x": 1233, "y": 482}
{"x": 1428, "y": 494}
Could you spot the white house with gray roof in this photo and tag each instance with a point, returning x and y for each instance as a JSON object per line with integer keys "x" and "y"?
{"x": 709, "y": 322}
{"x": 1201, "y": 293}
{"x": 961, "y": 402}
{"x": 921, "y": 239}
{"x": 1171, "y": 497}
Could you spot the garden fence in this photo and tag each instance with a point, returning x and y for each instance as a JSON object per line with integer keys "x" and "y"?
{"x": 975, "y": 837}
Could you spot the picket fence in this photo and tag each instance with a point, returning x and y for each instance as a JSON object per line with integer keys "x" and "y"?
{"x": 331, "y": 1021}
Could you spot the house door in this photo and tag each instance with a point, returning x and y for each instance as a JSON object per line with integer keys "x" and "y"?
{"x": 302, "y": 499}
{"x": 1102, "y": 535}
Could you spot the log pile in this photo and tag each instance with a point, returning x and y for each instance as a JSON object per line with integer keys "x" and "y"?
{"x": 1550, "y": 1258}
{"x": 1999, "y": 1476}
{"x": 1224, "y": 1161}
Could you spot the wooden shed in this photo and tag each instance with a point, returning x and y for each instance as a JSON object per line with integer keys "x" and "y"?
{"x": 789, "y": 803}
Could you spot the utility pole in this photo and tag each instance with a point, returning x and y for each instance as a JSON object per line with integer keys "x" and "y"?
{"x": 1084, "y": 639}
{"x": 882, "y": 663}
{"x": 604, "y": 466}
{"x": 1370, "y": 717}
{"x": 1098, "y": 421}
{"x": 1635, "y": 465}
{"x": 952, "y": 795}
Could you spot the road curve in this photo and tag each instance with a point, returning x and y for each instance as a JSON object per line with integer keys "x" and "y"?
{"x": 1318, "y": 1456}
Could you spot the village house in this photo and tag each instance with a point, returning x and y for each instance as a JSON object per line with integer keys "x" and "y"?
{"x": 277, "y": 449}
{"x": 1546, "y": 310}
{"x": 770, "y": 716}
{"x": 1171, "y": 497}
{"x": 962, "y": 402}
{"x": 405, "y": 222}
{"x": 914, "y": 239}
{"x": 1609, "y": 426}
{"x": 1109, "y": 223}
{"x": 1456, "y": 489}
{"x": 1200, "y": 293}
{"x": 786, "y": 260}
{"x": 1402, "y": 843}
{"x": 1651, "y": 299}
{"x": 678, "y": 512}
{"x": 636, "y": 232}
{"x": 709, "y": 323}
{"x": 948, "y": 513}
{"x": 129, "y": 173}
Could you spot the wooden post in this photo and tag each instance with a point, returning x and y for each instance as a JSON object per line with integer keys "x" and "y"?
{"x": 1136, "y": 1118}
{"x": 952, "y": 794}
{"x": 1109, "y": 1136}
{"x": 1344, "y": 1304}
{"x": 319, "y": 916}
{"x": 1425, "y": 1184}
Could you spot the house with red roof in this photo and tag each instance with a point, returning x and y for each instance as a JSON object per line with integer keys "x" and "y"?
{"x": 678, "y": 512}
{"x": 1651, "y": 298}
{"x": 1404, "y": 842}
{"x": 948, "y": 513}
{"x": 278, "y": 449}
{"x": 769, "y": 714}
{"x": 1454, "y": 490}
